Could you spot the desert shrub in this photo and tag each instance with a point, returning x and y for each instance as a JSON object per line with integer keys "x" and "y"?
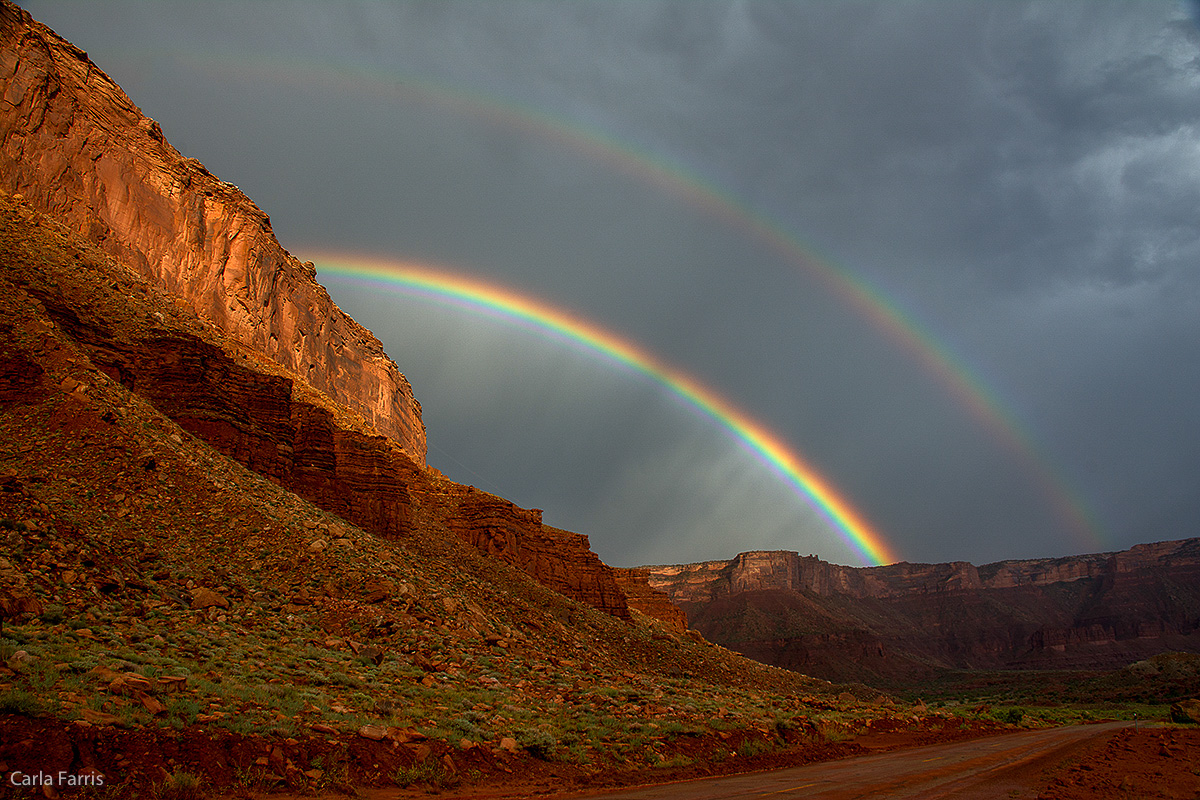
{"x": 752, "y": 747}
{"x": 1012, "y": 716}
{"x": 468, "y": 726}
{"x": 180, "y": 786}
{"x": 21, "y": 701}
{"x": 538, "y": 742}
{"x": 429, "y": 771}
{"x": 183, "y": 712}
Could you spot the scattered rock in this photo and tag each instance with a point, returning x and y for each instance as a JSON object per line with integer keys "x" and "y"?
{"x": 171, "y": 683}
{"x": 374, "y": 732}
{"x": 130, "y": 685}
{"x": 206, "y": 598}
{"x": 153, "y": 705}
{"x": 98, "y": 717}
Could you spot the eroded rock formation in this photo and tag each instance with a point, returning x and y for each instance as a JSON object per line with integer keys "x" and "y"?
{"x": 225, "y": 332}
{"x": 635, "y": 583}
{"x": 1099, "y": 610}
{"x": 252, "y": 411}
{"x": 77, "y": 148}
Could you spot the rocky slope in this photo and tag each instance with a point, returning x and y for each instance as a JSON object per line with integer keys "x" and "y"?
{"x": 76, "y": 147}
{"x": 166, "y": 609}
{"x": 249, "y": 409}
{"x": 910, "y": 620}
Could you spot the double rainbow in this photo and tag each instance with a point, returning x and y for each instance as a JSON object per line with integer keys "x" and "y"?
{"x": 479, "y": 297}
{"x": 972, "y": 390}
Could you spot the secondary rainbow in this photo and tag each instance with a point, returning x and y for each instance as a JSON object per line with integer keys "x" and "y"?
{"x": 969, "y": 388}
{"x": 933, "y": 353}
{"x": 480, "y": 297}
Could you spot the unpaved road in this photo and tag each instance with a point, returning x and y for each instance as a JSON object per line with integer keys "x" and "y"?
{"x": 1012, "y": 765}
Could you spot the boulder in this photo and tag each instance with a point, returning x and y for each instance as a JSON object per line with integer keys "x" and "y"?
{"x": 1186, "y": 712}
{"x": 207, "y": 598}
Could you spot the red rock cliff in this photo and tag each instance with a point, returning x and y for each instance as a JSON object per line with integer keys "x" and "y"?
{"x": 247, "y": 408}
{"x": 783, "y": 569}
{"x": 278, "y": 377}
{"x": 635, "y": 583}
{"x": 845, "y": 623}
{"x": 77, "y": 148}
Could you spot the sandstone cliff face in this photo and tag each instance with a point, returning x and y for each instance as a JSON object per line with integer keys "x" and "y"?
{"x": 250, "y": 410}
{"x": 78, "y": 149}
{"x": 847, "y": 623}
{"x": 73, "y": 146}
{"x": 559, "y": 559}
{"x": 782, "y": 569}
{"x": 635, "y": 583}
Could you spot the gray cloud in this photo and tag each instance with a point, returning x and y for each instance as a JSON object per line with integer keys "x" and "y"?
{"x": 1021, "y": 179}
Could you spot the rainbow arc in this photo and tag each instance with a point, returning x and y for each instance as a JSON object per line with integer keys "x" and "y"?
{"x": 935, "y": 355}
{"x": 478, "y": 296}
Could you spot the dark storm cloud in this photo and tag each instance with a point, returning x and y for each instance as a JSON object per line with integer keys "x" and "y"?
{"x": 1021, "y": 179}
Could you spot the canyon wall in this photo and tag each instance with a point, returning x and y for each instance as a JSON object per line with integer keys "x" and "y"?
{"x": 77, "y": 148}
{"x": 905, "y": 621}
{"x": 782, "y": 569}
{"x": 248, "y": 408}
{"x": 641, "y": 596}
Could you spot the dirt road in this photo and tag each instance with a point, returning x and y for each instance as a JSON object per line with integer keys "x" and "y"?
{"x": 1009, "y": 766}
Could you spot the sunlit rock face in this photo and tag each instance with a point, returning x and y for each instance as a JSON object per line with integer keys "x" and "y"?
{"x": 75, "y": 146}
{"x": 276, "y": 376}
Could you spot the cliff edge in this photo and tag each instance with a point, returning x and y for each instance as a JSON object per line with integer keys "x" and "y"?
{"x": 77, "y": 148}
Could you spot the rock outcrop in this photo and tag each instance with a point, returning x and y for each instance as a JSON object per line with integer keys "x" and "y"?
{"x": 249, "y": 409}
{"x": 77, "y": 148}
{"x": 641, "y": 596}
{"x": 199, "y": 310}
{"x": 1099, "y": 610}
{"x": 559, "y": 559}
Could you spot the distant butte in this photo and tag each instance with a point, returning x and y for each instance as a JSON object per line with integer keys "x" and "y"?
{"x": 907, "y": 621}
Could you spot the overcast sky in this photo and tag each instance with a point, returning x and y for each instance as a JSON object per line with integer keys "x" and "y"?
{"x": 1020, "y": 181}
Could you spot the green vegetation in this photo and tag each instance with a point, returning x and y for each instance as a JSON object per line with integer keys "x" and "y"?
{"x": 180, "y": 786}
{"x": 429, "y": 772}
{"x": 21, "y": 701}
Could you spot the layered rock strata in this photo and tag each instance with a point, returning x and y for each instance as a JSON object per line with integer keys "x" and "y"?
{"x": 1099, "y": 610}
{"x": 641, "y": 596}
{"x": 76, "y": 147}
{"x": 781, "y": 569}
{"x": 516, "y": 535}
{"x": 249, "y": 408}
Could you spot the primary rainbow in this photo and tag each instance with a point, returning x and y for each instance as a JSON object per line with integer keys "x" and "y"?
{"x": 480, "y": 297}
{"x": 973, "y": 391}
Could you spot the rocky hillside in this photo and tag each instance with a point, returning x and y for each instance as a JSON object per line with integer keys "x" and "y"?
{"x": 905, "y": 621}
{"x": 168, "y": 610}
{"x": 276, "y": 377}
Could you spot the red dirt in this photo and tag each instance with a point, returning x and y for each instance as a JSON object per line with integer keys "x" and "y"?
{"x": 1145, "y": 763}
{"x": 231, "y": 765}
